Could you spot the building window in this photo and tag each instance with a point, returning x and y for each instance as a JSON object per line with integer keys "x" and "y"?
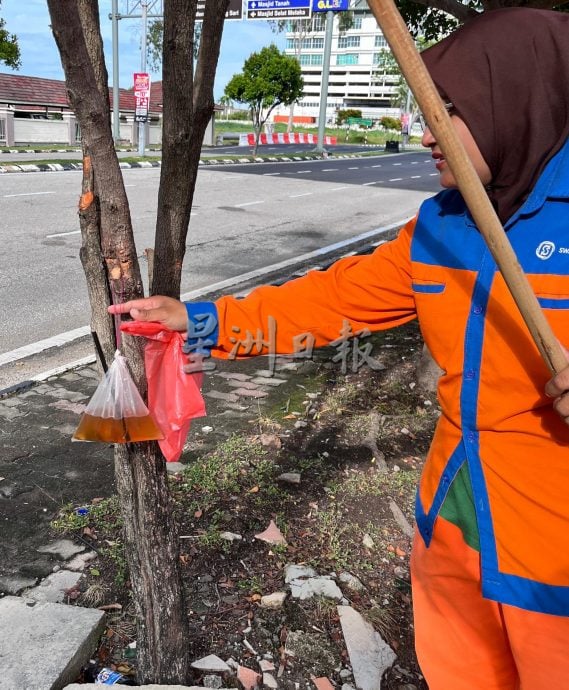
{"x": 290, "y": 44}
{"x": 310, "y": 59}
{"x": 317, "y": 43}
{"x": 380, "y": 42}
{"x": 319, "y": 22}
{"x": 349, "y": 42}
{"x": 357, "y": 23}
{"x": 347, "y": 59}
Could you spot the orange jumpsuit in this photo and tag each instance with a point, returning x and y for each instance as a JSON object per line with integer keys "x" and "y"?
{"x": 498, "y": 469}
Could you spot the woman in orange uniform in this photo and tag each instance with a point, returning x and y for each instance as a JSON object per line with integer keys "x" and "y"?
{"x": 490, "y": 561}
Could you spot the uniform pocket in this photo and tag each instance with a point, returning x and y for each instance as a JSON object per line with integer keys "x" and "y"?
{"x": 428, "y": 288}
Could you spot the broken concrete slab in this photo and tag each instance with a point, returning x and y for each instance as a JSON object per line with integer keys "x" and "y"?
{"x": 43, "y": 645}
{"x": 315, "y": 587}
{"x": 14, "y": 584}
{"x": 53, "y": 588}
{"x": 211, "y": 664}
{"x": 369, "y": 655}
{"x": 64, "y": 548}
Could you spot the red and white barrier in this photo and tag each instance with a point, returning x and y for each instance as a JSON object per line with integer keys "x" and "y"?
{"x": 282, "y": 138}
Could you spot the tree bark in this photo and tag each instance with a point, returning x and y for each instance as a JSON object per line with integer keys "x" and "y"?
{"x": 188, "y": 108}
{"x": 113, "y": 274}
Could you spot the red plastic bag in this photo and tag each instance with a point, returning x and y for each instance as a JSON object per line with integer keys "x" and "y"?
{"x": 174, "y": 397}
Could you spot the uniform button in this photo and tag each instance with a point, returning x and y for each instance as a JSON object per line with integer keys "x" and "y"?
{"x": 469, "y": 374}
{"x": 471, "y": 436}
{"x": 477, "y": 309}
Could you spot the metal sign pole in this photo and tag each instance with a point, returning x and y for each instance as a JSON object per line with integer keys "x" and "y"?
{"x": 325, "y": 76}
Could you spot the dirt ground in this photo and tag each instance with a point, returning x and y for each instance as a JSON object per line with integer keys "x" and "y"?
{"x": 358, "y": 441}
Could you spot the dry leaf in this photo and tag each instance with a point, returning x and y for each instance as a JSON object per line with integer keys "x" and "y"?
{"x": 198, "y": 514}
{"x": 254, "y": 490}
{"x": 322, "y": 683}
{"x": 272, "y": 535}
{"x": 111, "y": 607}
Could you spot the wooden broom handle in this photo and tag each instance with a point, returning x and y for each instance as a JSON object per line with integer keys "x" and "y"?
{"x": 468, "y": 182}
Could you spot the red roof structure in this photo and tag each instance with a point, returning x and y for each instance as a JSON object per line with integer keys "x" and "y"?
{"x": 33, "y": 94}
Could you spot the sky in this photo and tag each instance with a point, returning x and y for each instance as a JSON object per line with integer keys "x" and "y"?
{"x": 29, "y": 20}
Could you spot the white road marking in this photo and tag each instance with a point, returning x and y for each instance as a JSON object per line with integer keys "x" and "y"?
{"x": 8, "y": 196}
{"x": 64, "y": 234}
{"x": 295, "y": 196}
{"x": 395, "y": 179}
{"x": 337, "y": 189}
{"x": 415, "y": 177}
{"x": 367, "y": 184}
{"x": 354, "y": 168}
{"x": 397, "y": 163}
{"x": 70, "y": 336}
{"x": 376, "y": 166}
{"x": 269, "y": 174}
{"x": 248, "y": 203}
{"x": 301, "y": 172}
{"x": 330, "y": 170}
{"x": 433, "y": 174}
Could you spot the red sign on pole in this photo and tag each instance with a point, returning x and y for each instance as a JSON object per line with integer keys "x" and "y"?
{"x": 141, "y": 96}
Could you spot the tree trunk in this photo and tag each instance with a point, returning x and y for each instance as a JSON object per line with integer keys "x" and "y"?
{"x": 110, "y": 261}
{"x": 188, "y": 107}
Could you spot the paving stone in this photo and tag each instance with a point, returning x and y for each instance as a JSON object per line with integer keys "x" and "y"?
{"x": 235, "y": 375}
{"x": 64, "y": 548}
{"x": 10, "y": 413}
{"x": 250, "y": 393}
{"x": 14, "y": 584}
{"x": 218, "y": 395}
{"x": 268, "y": 381}
{"x": 243, "y": 384}
{"x": 44, "y": 646}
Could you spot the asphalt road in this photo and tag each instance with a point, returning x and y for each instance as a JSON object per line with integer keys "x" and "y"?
{"x": 245, "y": 217}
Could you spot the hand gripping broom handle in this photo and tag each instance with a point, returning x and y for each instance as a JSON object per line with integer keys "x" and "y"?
{"x": 468, "y": 182}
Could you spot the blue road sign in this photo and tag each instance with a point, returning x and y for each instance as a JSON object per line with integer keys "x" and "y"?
{"x": 334, "y": 5}
{"x": 278, "y": 9}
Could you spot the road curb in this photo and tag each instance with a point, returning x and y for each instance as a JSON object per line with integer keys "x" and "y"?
{"x": 8, "y": 168}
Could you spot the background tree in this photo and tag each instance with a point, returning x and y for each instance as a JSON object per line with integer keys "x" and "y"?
{"x": 9, "y": 49}
{"x": 432, "y": 19}
{"x": 269, "y": 78}
{"x": 154, "y": 40}
{"x": 109, "y": 257}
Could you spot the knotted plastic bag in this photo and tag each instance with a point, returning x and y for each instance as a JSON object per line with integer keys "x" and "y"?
{"x": 116, "y": 413}
{"x": 174, "y": 397}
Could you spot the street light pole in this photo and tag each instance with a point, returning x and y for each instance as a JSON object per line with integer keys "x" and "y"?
{"x": 142, "y": 125}
{"x": 116, "y": 114}
{"x": 325, "y": 75}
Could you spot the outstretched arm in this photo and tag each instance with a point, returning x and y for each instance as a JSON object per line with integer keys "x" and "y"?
{"x": 165, "y": 310}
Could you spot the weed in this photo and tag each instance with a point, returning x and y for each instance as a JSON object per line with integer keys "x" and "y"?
{"x": 252, "y": 585}
{"x": 383, "y": 619}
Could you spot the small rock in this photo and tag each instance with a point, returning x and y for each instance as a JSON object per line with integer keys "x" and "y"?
{"x": 368, "y": 542}
{"x": 230, "y": 536}
{"x": 296, "y": 572}
{"x": 80, "y": 561}
{"x": 351, "y": 582}
{"x": 174, "y": 467}
{"x": 269, "y": 681}
{"x": 273, "y": 601}
{"x": 346, "y": 673}
{"x": 212, "y": 681}
{"x": 207, "y": 429}
{"x": 315, "y": 586}
{"x": 300, "y": 424}
{"x": 265, "y": 665}
{"x": 347, "y": 686}
{"x": 211, "y": 663}
{"x": 289, "y": 477}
